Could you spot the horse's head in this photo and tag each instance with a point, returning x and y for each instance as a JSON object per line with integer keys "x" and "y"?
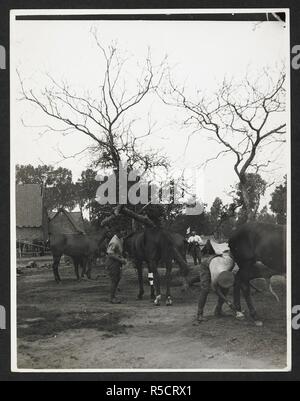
{"x": 101, "y": 235}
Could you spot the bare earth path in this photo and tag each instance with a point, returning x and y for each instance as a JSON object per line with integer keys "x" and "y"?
{"x": 72, "y": 326}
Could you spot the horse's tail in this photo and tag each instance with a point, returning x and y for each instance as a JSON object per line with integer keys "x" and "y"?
{"x": 177, "y": 255}
{"x": 181, "y": 262}
{"x": 272, "y": 290}
{"x": 270, "y": 287}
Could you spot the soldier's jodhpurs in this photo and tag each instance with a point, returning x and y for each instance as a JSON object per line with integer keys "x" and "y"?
{"x": 205, "y": 282}
{"x": 114, "y": 269}
{"x": 197, "y": 254}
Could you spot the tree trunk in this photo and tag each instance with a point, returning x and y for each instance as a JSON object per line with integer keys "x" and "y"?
{"x": 246, "y": 200}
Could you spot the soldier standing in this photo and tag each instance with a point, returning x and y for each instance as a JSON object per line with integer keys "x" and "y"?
{"x": 114, "y": 262}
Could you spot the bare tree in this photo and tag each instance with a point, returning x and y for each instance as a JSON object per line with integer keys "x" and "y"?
{"x": 243, "y": 119}
{"x": 106, "y": 118}
{"x": 107, "y": 115}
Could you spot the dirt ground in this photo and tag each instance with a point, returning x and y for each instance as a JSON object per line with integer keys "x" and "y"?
{"x": 73, "y": 326}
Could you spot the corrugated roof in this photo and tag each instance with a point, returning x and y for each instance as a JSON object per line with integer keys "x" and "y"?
{"x": 29, "y": 205}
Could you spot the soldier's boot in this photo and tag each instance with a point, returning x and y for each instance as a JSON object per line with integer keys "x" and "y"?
{"x": 201, "y": 304}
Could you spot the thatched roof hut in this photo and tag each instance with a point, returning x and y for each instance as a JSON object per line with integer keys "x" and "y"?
{"x": 31, "y": 215}
{"x": 64, "y": 222}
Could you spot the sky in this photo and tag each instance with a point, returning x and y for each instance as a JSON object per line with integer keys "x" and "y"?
{"x": 200, "y": 53}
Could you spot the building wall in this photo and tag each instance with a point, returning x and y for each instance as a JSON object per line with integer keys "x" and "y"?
{"x": 30, "y": 233}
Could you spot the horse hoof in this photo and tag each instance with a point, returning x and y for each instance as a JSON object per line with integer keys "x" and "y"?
{"x": 258, "y": 323}
{"x": 157, "y": 300}
{"x": 199, "y": 320}
{"x": 115, "y": 301}
{"x": 169, "y": 301}
{"x": 240, "y": 316}
{"x": 219, "y": 313}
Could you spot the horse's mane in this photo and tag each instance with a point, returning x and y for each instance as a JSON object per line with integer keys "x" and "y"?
{"x": 132, "y": 234}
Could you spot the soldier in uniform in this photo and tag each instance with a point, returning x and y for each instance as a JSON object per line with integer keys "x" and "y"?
{"x": 114, "y": 263}
{"x": 215, "y": 272}
{"x": 195, "y": 243}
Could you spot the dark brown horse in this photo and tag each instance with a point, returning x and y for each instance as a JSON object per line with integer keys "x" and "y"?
{"x": 154, "y": 246}
{"x": 252, "y": 243}
{"x": 81, "y": 248}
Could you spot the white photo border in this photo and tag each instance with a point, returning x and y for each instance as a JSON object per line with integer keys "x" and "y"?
{"x": 55, "y": 12}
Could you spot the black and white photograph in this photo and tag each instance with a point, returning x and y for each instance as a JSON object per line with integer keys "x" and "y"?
{"x": 150, "y": 190}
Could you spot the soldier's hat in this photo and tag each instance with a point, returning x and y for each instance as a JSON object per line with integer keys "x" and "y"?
{"x": 225, "y": 279}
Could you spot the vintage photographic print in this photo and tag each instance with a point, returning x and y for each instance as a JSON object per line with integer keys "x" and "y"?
{"x": 150, "y": 171}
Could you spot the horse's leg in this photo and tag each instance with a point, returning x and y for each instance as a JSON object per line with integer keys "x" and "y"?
{"x": 169, "y": 278}
{"x": 242, "y": 282}
{"x": 247, "y": 294}
{"x": 56, "y": 261}
{"x": 87, "y": 268}
{"x": 115, "y": 276}
{"x": 156, "y": 279}
{"x": 83, "y": 266}
{"x": 237, "y": 296}
{"x": 76, "y": 266}
{"x": 139, "y": 267}
{"x": 195, "y": 255}
{"x": 183, "y": 253}
{"x": 151, "y": 281}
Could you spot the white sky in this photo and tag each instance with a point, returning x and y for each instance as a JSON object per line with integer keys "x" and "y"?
{"x": 202, "y": 53}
